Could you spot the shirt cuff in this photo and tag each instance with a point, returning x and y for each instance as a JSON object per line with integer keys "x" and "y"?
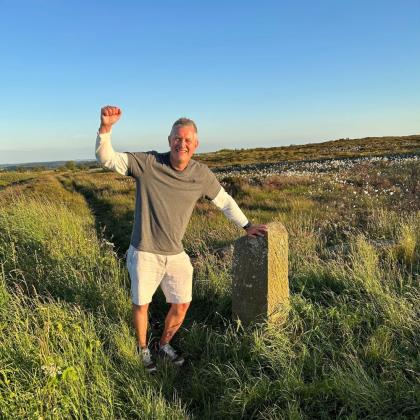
{"x": 104, "y": 136}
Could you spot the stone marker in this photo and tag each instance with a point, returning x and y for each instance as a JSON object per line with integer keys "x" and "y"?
{"x": 260, "y": 287}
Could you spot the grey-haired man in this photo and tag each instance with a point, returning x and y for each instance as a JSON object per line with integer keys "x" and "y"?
{"x": 168, "y": 185}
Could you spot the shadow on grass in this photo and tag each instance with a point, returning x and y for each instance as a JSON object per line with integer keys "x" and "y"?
{"x": 116, "y": 228}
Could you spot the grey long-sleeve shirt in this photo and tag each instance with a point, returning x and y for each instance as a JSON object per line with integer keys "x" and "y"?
{"x": 165, "y": 198}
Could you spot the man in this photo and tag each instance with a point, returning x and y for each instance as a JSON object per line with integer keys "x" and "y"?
{"x": 167, "y": 187}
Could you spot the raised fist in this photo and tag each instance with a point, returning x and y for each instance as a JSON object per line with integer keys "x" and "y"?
{"x": 110, "y": 115}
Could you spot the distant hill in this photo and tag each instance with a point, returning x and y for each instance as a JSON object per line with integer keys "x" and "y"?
{"x": 341, "y": 148}
{"x": 48, "y": 165}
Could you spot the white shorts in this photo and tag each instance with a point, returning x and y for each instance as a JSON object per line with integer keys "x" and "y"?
{"x": 147, "y": 271}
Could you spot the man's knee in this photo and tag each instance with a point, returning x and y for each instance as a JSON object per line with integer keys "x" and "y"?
{"x": 180, "y": 308}
{"x": 140, "y": 308}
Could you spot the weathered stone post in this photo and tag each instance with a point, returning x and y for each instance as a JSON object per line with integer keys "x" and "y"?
{"x": 260, "y": 287}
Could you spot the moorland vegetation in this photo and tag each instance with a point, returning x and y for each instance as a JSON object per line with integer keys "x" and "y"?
{"x": 348, "y": 349}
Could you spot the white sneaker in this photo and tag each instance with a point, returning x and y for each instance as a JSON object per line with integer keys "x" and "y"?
{"x": 146, "y": 357}
{"x": 168, "y": 352}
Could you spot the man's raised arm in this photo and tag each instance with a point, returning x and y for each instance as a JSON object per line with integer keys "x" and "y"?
{"x": 104, "y": 152}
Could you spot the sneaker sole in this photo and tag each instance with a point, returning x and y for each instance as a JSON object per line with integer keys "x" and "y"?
{"x": 151, "y": 369}
{"x": 176, "y": 362}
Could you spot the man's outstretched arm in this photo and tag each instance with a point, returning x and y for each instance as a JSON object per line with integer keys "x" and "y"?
{"x": 104, "y": 151}
{"x": 230, "y": 208}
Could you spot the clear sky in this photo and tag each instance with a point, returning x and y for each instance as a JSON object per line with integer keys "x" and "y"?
{"x": 250, "y": 73}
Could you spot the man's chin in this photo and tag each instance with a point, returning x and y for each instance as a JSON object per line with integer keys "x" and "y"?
{"x": 181, "y": 157}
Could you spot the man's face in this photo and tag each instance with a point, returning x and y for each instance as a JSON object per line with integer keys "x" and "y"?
{"x": 183, "y": 141}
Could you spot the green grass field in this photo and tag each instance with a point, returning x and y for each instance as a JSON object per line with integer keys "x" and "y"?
{"x": 350, "y": 347}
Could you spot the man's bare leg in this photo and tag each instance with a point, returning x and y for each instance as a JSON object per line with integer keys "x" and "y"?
{"x": 140, "y": 316}
{"x": 173, "y": 321}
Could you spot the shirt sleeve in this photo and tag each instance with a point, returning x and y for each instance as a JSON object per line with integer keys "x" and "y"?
{"x": 211, "y": 186}
{"x": 224, "y": 202}
{"x": 137, "y": 163}
{"x": 107, "y": 157}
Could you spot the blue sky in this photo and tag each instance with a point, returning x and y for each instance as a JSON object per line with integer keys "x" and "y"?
{"x": 267, "y": 73}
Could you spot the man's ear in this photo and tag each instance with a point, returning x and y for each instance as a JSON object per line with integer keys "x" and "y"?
{"x": 198, "y": 143}
{"x": 169, "y": 140}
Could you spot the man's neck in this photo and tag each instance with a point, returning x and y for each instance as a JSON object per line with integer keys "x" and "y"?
{"x": 178, "y": 166}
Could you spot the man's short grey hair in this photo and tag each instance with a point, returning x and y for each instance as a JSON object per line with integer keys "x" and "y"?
{"x": 184, "y": 122}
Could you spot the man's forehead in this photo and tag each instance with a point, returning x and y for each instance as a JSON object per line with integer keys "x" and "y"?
{"x": 183, "y": 130}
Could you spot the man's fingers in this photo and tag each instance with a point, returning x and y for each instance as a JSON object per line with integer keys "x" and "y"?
{"x": 108, "y": 111}
{"x": 257, "y": 232}
{"x": 262, "y": 230}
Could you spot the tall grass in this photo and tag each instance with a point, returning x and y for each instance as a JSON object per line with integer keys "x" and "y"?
{"x": 66, "y": 347}
{"x": 57, "y": 362}
{"x": 349, "y": 348}
{"x": 47, "y": 247}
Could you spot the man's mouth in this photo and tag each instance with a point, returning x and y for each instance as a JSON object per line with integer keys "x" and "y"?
{"x": 181, "y": 150}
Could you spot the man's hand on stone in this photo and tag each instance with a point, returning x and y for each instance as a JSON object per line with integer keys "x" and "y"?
{"x": 256, "y": 230}
{"x": 109, "y": 116}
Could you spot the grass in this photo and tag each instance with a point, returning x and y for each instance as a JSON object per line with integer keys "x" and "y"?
{"x": 349, "y": 348}
{"x": 13, "y": 178}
